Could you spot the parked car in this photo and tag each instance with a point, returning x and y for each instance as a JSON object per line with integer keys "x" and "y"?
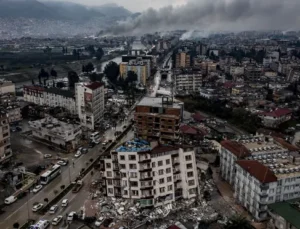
{"x": 71, "y": 216}
{"x": 53, "y": 209}
{"x": 47, "y": 156}
{"x": 65, "y": 203}
{"x": 85, "y": 150}
{"x": 10, "y": 200}
{"x": 57, "y": 220}
{"x": 92, "y": 144}
{"x": 99, "y": 221}
{"x": 37, "y": 207}
{"x": 77, "y": 154}
{"x": 104, "y": 142}
{"x": 37, "y": 188}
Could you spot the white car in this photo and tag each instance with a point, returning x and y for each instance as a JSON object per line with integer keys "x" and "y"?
{"x": 62, "y": 162}
{"x": 57, "y": 220}
{"x": 99, "y": 221}
{"x": 47, "y": 155}
{"x": 10, "y": 200}
{"x": 37, "y": 207}
{"x": 53, "y": 209}
{"x": 71, "y": 216}
{"x": 105, "y": 142}
{"x": 78, "y": 154}
{"x": 37, "y": 188}
{"x": 65, "y": 203}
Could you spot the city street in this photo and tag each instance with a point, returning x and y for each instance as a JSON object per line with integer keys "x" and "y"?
{"x": 20, "y": 211}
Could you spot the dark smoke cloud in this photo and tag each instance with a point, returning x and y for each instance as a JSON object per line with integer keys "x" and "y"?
{"x": 230, "y": 15}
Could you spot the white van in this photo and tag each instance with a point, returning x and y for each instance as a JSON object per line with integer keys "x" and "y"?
{"x": 10, "y": 200}
{"x": 42, "y": 224}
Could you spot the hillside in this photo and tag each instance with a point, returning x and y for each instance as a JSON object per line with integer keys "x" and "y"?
{"x": 113, "y": 10}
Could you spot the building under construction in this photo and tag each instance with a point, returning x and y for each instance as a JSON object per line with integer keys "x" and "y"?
{"x": 158, "y": 119}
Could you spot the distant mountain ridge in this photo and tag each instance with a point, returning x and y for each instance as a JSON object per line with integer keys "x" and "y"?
{"x": 57, "y": 10}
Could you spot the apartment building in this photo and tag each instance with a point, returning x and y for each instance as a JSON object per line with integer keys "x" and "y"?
{"x": 7, "y": 87}
{"x": 5, "y": 148}
{"x": 274, "y": 118}
{"x": 90, "y": 103}
{"x": 56, "y": 132}
{"x": 153, "y": 175}
{"x": 52, "y": 97}
{"x": 253, "y": 72}
{"x": 262, "y": 171}
{"x": 189, "y": 82}
{"x": 183, "y": 60}
{"x": 158, "y": 119}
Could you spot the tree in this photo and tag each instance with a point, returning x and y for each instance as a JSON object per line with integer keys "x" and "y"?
{"x": 72, "y": 78}
{"x": 43, "y": 74}
{"x": 131, "y": 77}
{"x": 99, "y": 53}
{"x": 46, "y": 200}
{"x": 60, "y": 84}
{"x": 89, "y": 67}
{"x": 62, "y": 187}
{"x": 83, "y": 68}
{"x": 90, "y": 49}
{"x": 238, "y": 222}
{"x": 53, "y": 73}
{"x": 55, "y": 192}
{"x": 95, "y": 77}
{"x": 16, "y": 225}
{"x": 112, "y": 71}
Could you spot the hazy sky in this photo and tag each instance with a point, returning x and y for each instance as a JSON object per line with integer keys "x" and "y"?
{"x": 133, "y": 5}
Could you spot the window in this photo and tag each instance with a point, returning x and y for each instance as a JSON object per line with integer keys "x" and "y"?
{"x": 132, "y": 157}
{"x": 188, "y": 158}
{"x": 170, "y": 188}
{"x": 153, "y": 164}
{"x": 161, "y": 172}
{"x": 111, "y": 191}
{"x": 271, "y": 198}
{"x": 191, "y": 182}
{"x": 169, "y": 179}
{"x": 135, "y": 192}
{"x": 109, "y": 182}
{"x": 122, "y": 158}
{"x": 109, "y": 174}
{"x": 133, "y": 183}
{"x": 122, "y": 166}
{"x": 160, "y": 163}
{"x": 161, "y": 181}
{"x": 189, "y": 166}
{"x": 168, "y": 161}
{"x": 168, "y": 170}
{"x": 190, "y": 174}
{"x": 132, "y": 166}
{"x": 192, "y": 191}
{"x": 108, "y": 165}
{"x": 125, "y": 192}
{"x": 123, "y": 175}
{"x": 133, "y": 174}
{"x": 162, "y": 190}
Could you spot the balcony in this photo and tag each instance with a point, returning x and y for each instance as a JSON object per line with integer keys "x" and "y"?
{"x": 146, "y": 178}
{"x": 144, "y": 160}
{"x": 177, "y": 178}
{"x": 116, "y": 168}
{"x": 175, "y": 162}
{"x": 145, "y": 169}
{"x": 176, "y": 171}
{"x": 147, "y": 187}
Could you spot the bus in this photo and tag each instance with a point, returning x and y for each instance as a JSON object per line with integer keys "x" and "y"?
{"x": 50, "y": 174}
{"x": 95, "y": 136}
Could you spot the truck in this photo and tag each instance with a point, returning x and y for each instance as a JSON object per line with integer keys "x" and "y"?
{"x": 78, "y": 185}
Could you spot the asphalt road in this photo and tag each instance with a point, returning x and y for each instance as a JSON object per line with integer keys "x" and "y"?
{"x": 20, "y": 211}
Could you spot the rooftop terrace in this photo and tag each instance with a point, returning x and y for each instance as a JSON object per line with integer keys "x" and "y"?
{"x": 136, "y": 145}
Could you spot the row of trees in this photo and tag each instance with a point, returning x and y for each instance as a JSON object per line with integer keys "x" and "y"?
{"x": 239, "y": 54}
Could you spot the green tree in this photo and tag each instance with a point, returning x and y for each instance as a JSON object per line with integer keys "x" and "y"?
{"x": 238, "y": 222}
{"x": 112, "y": 71}
{"x": 99, "y": 53}
{"x": 53, "y": 73}
{"x": 60, "y": 84}
{"x": 72, "y": 78}
{"x": 91, "y": 50}
{"x": 131, "y": 77}
{"x": 89, "y": 67}
{"x": 16, "y": 225}
{"x": 46, "y": 200}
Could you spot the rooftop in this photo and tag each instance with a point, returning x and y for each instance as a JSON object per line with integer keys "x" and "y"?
{"x": 279, "y": 112}
{"x": 289, "y": 210}
{"x": 94, "y": 85}
{"x": 239, "y": 150}
{"x": 158, "y": 102}
{"x": 136, "y": 145}
{"x": 61, "y": 92}
{"x": 258, "y": 170}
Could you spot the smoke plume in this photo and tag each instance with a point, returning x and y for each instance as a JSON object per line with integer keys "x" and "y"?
{"x": 215, "y": 15}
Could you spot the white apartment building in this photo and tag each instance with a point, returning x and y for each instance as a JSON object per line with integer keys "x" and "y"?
{"x": 152, "y": 175}
{"x": 5, "y": 149}
{"x": 90, "y": 103}
{"x": 188, "y": 82}
{"x": 52, "y": 97}
{"x": 261, "y": 171}
{"x": 56, "y": 132}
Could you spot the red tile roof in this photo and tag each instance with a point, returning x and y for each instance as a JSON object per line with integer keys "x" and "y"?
{"x": 239, "y": 150}
{"x": 286, "y": 144}
{"x": 33, "y": 87}
{"x": 198, "y": 117}
{"x": 94, "y": 85}
{"x": 278, "y": 112}
{"x": 188, "y": 130}
{"x": 258, "y": 170}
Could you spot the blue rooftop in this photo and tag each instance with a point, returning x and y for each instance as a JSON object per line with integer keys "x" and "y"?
{"x": 135, "y": 145}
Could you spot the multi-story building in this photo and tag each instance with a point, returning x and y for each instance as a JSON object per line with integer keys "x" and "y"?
{"x": 56, "y": 132}
{"x": 158, "y": 119}
{"x": 183, "y": 60}
{"x": 5, "y": 149}
{"x": 276, "y": 117}
{"x": 188, "y": 82}
{"x": 262, "y": 171}
{"x": 7, "y": 87}
{"x": 253, "y": 72}
{"x": 152, "y": 175}
{"x": 236, "y": 70}
{"x": 139, "y": 66}
{"x": 52, "y": 97}
{"x": 90, "y": 103}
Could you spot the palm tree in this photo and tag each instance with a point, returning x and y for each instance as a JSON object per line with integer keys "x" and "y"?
{"x": 16, "y": 225}
{"x": 238, "y": 222}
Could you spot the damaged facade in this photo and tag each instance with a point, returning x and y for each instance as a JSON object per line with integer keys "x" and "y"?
{"x": 152, "y": 175}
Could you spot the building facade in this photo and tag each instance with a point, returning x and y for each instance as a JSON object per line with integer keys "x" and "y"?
{"x": 154, "y": 176}
{"x": 188, "y": 82}
{"x": 90, "y": 103}
{"x": 158, "y": 119}
{"x": 5, "y": 148}
{"x": 34, "y": 94}
{"x": 183, "y": 60}
{"x": 276, "y": 117}
{"x": 56, "y": 132}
